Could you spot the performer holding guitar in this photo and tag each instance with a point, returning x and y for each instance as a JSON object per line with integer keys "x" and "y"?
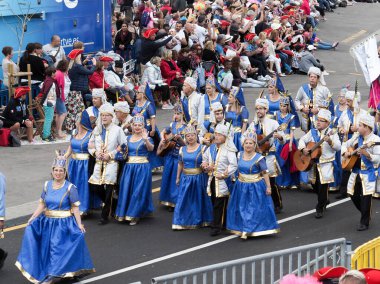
{"x": 362, "y": 181}
{"x": 328, "y": 142}
{"x": 267, "y": 130}
{"x": 169, "y": 149}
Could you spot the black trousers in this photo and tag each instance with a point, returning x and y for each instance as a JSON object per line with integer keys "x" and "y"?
{"x": 106, "y": 194}
{"x": 362, "y": 202}
{"x": 164, "y": 89}
{"x": 322, "y": 193}
{"x": 276, "y": 194}
{"x": 257, "y": 62}
{"x": 177, "y": 84}
{"x": 343, "y": 184}
{"x": 219, "y": 208}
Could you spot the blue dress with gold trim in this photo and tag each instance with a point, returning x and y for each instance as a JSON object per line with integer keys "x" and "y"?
{"x": 53, "y": 246}
{"x": 169, "y": 189}
{"x": 78, "y": 171}
{"x": 237, "y": 120}
{"x": 148, "y": 111}
{"x": 194, "y": 208}
{"x": 135, "y": 193}
{"x": 250, "y": 210}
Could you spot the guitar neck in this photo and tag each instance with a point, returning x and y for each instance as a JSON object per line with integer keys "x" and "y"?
{"x": 320, "y": 143}
{"x": 266, "y": 138}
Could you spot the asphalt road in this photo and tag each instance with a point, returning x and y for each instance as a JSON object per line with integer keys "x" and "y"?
{"x": 118, "y": 246}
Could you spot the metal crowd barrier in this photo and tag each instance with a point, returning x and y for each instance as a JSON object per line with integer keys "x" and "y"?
{"x": 269, "y": 267}
{"x": 367, "y": 255}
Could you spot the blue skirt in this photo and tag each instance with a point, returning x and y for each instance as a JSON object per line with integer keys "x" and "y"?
{"x": 237, "y": 141}
{"x": 169, "y": 189}
{"x": 250, "y": 211}
{"x": 53, "y": 248}
{"x": 286, "y": 178}
{"x": 194, "y": 207}
{"x": 135, "y": 194}
{"x": 78, "y": 175}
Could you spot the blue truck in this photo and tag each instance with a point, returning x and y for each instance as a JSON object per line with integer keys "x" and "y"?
{"x": 88, "y": 21}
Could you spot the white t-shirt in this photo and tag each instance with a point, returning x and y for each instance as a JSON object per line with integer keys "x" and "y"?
{"x": 201, "y": 34}
{"x": 58, "y": 52}
{"x": 181, "y": 35}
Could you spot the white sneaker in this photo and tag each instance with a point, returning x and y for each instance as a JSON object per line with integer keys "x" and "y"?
{"x": 261, "y": 78}
{"x": 267, "y": 77}
{"x": 167, "y": 106}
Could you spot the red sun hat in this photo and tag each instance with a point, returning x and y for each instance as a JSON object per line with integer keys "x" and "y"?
{"x": 285, "y": 17}
{"x": 20, "y": 91}
{"x": 148, "y": 33}
{"x": 249, "y": 36}
{"x": 330, "y": 272}
{"x": 372, "y": 275}
{"x": 74, "y": 53}
{"x": 105, "y": 59}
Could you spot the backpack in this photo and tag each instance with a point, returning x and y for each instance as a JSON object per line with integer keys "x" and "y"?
{"x": 145, "y": 19}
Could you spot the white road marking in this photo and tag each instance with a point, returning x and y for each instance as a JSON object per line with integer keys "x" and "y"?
{"x": 354, "y": 36}
{"x": 205, "y": 245}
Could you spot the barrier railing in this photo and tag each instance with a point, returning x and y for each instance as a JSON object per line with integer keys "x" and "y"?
{"x": 269, "y": 267}
{"x": 367, "y": 255}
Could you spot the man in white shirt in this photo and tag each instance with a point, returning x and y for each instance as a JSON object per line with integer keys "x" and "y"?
{"x": 54, "y": 49}
{"x": 200, "y": 32}
{"x": 192, "y": 102}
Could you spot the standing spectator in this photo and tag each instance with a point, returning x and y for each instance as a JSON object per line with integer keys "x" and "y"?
{"x": 16, "y": 114}
{"x": 50, "y": 91}
{"x": 123, "y": 40}
{"x": 54, "y": 49}
{"x": 3, "y": 254}
{"x": 8, "y": 53}
{"x": 64, "y": 83}
{"x": 36, "y": 63}
{"x": 78, "y": 74}
{"x": 152, "y": 76}
{"x": 209, "y": 53}
{"x": 150, "y": 47}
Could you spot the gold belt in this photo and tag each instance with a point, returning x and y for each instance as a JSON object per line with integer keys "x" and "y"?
{"x": 80, "y": 156}
{"x": 100, "y": 162}
{"x": 250, "y": 178}
{"x": 137, "y": 160}
{"x": 237, "y": 129}
{"x": 192, "y": 171}
{"x": 58, "y": 213}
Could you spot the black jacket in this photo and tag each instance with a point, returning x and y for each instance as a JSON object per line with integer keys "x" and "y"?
{"x": 150, "y": 48}
{"x": 36, "y": 65}
{"x": 16, "y": 111}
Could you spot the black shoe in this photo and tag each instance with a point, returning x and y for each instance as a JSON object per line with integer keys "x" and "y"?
{"x": 215, "y": 232}
{"x": 318, "y": 215}
{"x": 341, "y": 196}
{"x": 103, "y": 222}
{"x": 171, "y": 209}
{"x": 362, "y": 227}
{"x": 3, "y": 256}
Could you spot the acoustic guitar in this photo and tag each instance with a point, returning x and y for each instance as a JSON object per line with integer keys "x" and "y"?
{"x": 170, "y": 145}
{"x": 349, "y": 163}
{"x": 263, "y": 143}
{"x": 305, "y": 162}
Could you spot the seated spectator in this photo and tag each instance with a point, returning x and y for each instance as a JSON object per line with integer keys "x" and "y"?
{"x": 152, "y": 76}
{"x": 37, "y": 65}
{"x": 123, "y": 40}
{"x": 96, "y": 80}
{"x": 49, "y": 93}
{"x": 8, "y": 53}
{"x": 170, "y": 70}
{"x": 312, "y": 39}
{"x": 79, "y": 74}
{"x": 241, "y": 77}
{"x": 307, "y": 60}
{"x": 16, "y": 114}
{"x": 115, "y": 78}
{"x": 225, "y": 76}
{"x": 209, "y": 53}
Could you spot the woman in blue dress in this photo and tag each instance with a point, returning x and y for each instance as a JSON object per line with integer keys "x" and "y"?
{"x": 135, "y": 193}
{"x": 145, "y": 107}
{"x": 194, "y": 208}
{"x": 212, "y": 96}
{"x": 53, "y": 245}
{"x": 250, "y": 209}
{"x": 169, "y": 188}
{"x": 237, "y": 114}
{"x": 78, "y": 170}
{"x": 289, "y": 177}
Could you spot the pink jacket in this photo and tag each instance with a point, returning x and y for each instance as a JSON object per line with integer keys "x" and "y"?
{"x": 60, "y": 78}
